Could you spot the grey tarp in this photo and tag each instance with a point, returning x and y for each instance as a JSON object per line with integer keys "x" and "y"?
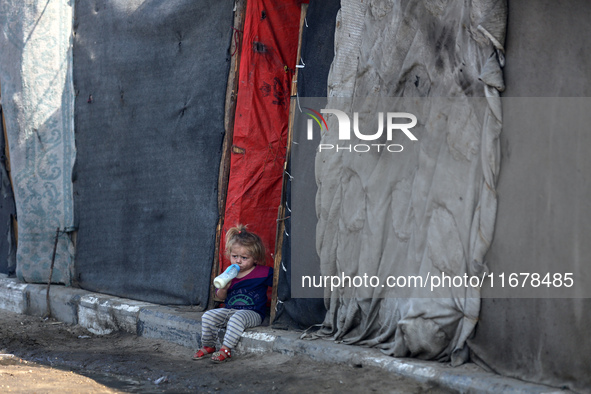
{"x": 37, "y": 101}
{"x": 432, "y": 208}
{"x": 150, "y": 80}
{"x": 544, "y": 206}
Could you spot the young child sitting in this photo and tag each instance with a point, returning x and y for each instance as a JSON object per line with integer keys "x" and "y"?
{"x": 245, "y": 296}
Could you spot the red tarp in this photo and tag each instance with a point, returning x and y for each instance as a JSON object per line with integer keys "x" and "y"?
{"x": 269, "y": 51}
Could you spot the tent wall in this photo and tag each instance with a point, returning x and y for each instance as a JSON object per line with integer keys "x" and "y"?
{"x": 267, "y": 64}
{"x": 150, "y": 80}
{"x": 430, "y": 208}
{"x": 543, "y": 201}
{"x": 37, "y": 102}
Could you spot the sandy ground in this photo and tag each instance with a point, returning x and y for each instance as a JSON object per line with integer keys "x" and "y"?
{"x": 47, "y": 356}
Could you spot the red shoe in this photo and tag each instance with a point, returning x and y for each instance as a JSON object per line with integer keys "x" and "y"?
{"x": 204, "y": 351}
{"x": 221, "y": 356}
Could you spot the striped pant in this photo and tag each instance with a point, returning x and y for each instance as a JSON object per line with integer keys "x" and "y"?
{"x": 237, "y": 321}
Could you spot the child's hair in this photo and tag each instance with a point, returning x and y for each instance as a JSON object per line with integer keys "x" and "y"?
{"x": 252, "y": 242}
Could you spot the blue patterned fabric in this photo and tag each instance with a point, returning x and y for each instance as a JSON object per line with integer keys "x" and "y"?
{"x": 37, "y": 95}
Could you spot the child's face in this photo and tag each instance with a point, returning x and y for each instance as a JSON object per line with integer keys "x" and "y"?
{"x": 241, "y": 256}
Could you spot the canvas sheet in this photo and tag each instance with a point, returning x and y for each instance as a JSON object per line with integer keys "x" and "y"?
{"x": 543, "y": 199}
{"x": 150, "y": 80}
{"x": 431, "y": 209}
{"x": 38, "y": 101}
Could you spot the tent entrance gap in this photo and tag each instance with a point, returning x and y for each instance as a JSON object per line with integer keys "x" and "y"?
{"x": 12, "y": 237}
{"x": 281, "y": 215}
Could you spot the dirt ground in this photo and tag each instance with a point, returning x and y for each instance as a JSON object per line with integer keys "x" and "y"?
{"x": 47, "y": 356}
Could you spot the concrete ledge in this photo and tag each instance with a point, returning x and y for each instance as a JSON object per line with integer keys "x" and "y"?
{"x": 466, "y": 378}
{"x": 63, "y": 302}
{"x": 160, "y": 322}
{"x": 13, "y": 295}
{"x": 103, "y": 314}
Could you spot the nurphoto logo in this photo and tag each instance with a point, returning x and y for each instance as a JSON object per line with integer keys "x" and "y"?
{"x": 344, "y": 132}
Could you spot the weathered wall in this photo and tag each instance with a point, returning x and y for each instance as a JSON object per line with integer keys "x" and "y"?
{"x": 544, "y": 203}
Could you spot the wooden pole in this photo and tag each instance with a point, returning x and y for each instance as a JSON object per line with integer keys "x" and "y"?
{"x": 48, "y": 313}
{"x": 281, "y": 214}
{"x": 229, "y": 117}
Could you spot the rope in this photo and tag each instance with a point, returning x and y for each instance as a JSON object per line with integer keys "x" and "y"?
{"x": 236, "y": 40}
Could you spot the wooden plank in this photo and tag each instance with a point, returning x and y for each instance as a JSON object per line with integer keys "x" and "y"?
{"x": 281, "y": 214}
{"x": 229, "y": 117}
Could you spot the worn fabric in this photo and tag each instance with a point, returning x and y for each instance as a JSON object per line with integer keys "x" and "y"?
{"x": 38, "y": 102}
{"x": 267, "y": 63}
{"x": 544, "y": 206}
{"x": 431, "y": 209}
{"x": 151, "y": 83}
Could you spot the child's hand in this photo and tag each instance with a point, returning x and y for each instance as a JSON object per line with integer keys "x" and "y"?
{"x": 223, "y": 292}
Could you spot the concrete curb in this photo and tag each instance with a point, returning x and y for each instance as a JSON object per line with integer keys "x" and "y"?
{"x": 102, "y": 314}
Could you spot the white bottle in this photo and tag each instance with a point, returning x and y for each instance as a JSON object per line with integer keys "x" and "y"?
{"x": 230, "y": 273}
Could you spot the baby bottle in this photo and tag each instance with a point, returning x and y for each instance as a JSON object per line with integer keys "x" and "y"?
{"x": 230, "y": 273}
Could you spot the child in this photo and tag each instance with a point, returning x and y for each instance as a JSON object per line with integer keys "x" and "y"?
{"x": 245, "y": 296}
